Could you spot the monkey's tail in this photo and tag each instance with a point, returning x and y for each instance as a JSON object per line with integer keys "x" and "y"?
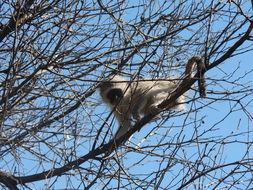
{"x": 201, "y": 69}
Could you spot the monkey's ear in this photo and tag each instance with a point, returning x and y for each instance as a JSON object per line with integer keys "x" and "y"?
{"x": 114, "y": 95}
{"x": 105, "y": 85}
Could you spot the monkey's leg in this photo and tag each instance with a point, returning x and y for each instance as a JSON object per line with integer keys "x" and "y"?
{"x": 138, "y": 107}
{"x": 157, "y": 100}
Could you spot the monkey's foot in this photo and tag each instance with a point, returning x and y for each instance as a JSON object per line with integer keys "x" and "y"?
{"x": 154, "y": 110}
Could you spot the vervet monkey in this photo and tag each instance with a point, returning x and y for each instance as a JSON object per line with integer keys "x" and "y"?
{"x": 130, "y": 99}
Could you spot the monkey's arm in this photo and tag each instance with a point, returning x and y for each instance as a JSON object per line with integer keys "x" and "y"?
{"x": 124, "y": 125}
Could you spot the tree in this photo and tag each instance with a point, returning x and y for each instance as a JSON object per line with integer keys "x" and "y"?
{"x": 56, "y": 131}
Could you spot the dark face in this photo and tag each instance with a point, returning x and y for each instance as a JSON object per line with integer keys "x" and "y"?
{"x": 114, "y": 95}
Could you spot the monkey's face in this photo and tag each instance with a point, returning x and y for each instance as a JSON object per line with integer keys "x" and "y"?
{"x": 114, "y": 95}
{"x": 112, "y": 90}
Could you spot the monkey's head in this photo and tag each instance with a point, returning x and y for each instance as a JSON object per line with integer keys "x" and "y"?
{"x": 112, "y": 89}
{"x": 114, "y": 95}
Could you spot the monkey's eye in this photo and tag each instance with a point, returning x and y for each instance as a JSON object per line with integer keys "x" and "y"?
{"x": 114, "y": 95}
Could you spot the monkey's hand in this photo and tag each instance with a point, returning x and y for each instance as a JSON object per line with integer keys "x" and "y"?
{"x": 136, "y": 115}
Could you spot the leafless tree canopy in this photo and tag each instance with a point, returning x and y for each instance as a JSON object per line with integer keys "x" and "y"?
{"x": 55, "y": 131}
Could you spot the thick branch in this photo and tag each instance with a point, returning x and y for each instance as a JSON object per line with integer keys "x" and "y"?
{"x": 19, "y": 18}
{"x": 23, "y": 16}
{"x": 8, "y": 180}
